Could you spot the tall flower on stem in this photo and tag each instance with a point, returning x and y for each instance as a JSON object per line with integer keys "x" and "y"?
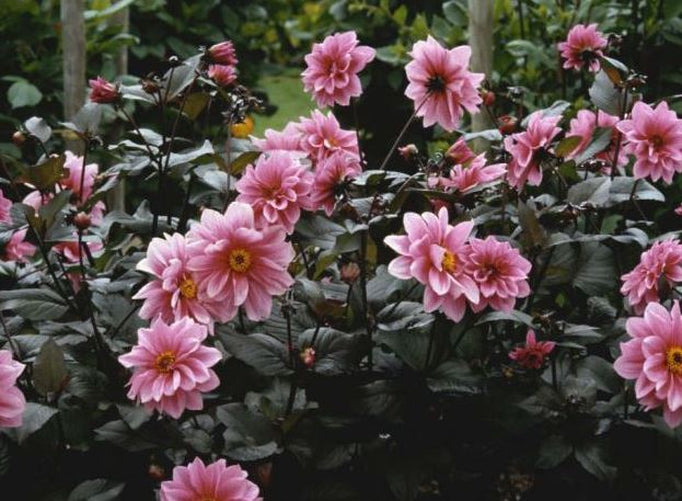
{"x": 583, "y": 47}
{"x": 441, "y": 84}
{"x": 322, "y": 135}
{"x": 103, "y": 92}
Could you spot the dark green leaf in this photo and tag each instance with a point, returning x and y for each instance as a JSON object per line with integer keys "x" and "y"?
{"x": 264, "y": 353}
{"x": 593, "y": 191}
{"x": 98, "y": 489}
{"x": 592, "y": 456}
{"x": 33, "y": 304}
{"x": 49, "y": 369}
{"x": 44, "y": 176}
{"x": 553, "y": 451}
{"x": 249, "y": 436}
{"x": 34, "y": 418}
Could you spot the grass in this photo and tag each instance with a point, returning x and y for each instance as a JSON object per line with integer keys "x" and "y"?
{"x": 285, "y": 90}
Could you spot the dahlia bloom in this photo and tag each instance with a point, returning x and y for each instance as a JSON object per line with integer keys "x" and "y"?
{"x": 584, "y": 125}
{"x": 12, "y": 401}
{"x": 223, "y": 53}
{"x": 662, "y": 263}
{"x": 277, "y": 187}
{"x": 434, "y": 252}
{"x": 500, "y": 271}
{"x": 217, "y": 482}
{"x": 330, "y": 175}
{"x": 463, "y": 177}
{"x": 288, "y": 139}
{"x": 583, "y": 45}
{"x": 5, "y": 206}
{"x": 533, "y": 354}
{"x": 174, "y": 293}
{"x": 653, "y": 358}
{"x": 441, "y": 84}
{"x": 72, "y": 252}
{"x": 72, "y": 181}
{"x": 322, "y": 135}
{"x": 222, "y": 74}
{"x": 240, "y": 265}
{"x": 459, "y": 152}
{"x": 17, "y": 249}
{"x": 102, "y": 91}
{"x": 333, "y": 67}
{"x": 171, "y": 368}
{"x": 654, "y": 137}
{"x": 527, "y": 149}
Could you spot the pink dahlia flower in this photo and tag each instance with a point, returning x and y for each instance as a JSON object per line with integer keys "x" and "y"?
{"x": 583, "y": 46}
{"x": 463, "y": 177}
{"x": 533, "y": 354}
{"x": 459, "y": 152}
{"x": 528, "y": 148}
{"x": 660, "y": 264}
{"x": 441, "y": 84}
{"x": 223, "y": 53}
{"x": 322, "y": 135}
{"x": 103, "y": 92}
{"x": 171, "y": 368}
{"x": 331, "y": 174}
{"x": 18, "y": 249}
{"x": 72, "y": 181}
{"x": 222, "y": 74}
{"x": 240, "y": 264}
{"x": 654, "y": 137}
{"x": 288, "y": 139}
{"x": 72, "y": 252}
{"x": 500, "y": 271}
{"x": 277, "y": 187}
{"x": 174, "y": 293}
{"x": 434, "y": 252}
{"x": 333, "y": 67}
{"x": 5, "y": 206}
{"x": 584, "y": 125}
{"x": 215, "y": 482}
{"x": 12, "y": 401}
{"x": 653, "y": 358}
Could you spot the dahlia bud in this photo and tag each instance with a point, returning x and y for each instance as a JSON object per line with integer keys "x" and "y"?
{"x": 223, "y": 53}
{"x": 81, "y": 221}
{"x": 156, "y": 472}
{"x": 242, "y": 129}
{"x": 408, "y": 152}
{"x": 308, "y": 357}
{"x": 350, "y": 272}
{"x": 103, "y": 92}
{"x": 459, "y": 153}
{"x": 507, "y": 124}
{"x": 488, "y": 97}
{"x": 222, "y": 75}
{"x": 18, "y": 138}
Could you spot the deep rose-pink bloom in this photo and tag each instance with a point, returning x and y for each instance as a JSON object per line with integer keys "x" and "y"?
{"x": 277, "y": 187}
{"x": 527, "y": 149}
{"x": 434, "y": 252}
{"x": 583, "y": 45}
{"x": 223, "y": 53}
{"x": 441, "y": 84}
{"x": 288, "y": 139}
{"x": 215, "y": 482}
{"x": 241, "y": 265}
{"x": 171, "y": 368}
{"x": 654, "y": 137}
{"x": 532, "y": 355}
{"x": 222, "y": 74}
{"x": 5, "y": 206}
{"x": 102, "y": 91}
{"x": 653, "y": 358}
{"x": 584, "y": 126}
{"x": 333, "y": 67}
{"x": 331, "y": 173}
{"x": 322, "y": 135}
{"x": 475, "y": 172}
{"x": 12, "y": 401}
{"x": 500, "y": 271}
{"x": 17, "y": 249}
{"x": 174, "y": 294}
{"x": 661, "y": 263}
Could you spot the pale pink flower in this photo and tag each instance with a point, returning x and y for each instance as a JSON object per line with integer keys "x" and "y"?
{"x": 174, "y": 294}
{"x": 653, "y": 358}
{"x": 463, "y": 177}
{"x": 330, "y": 176}
{"x": 215, "y": 482}
{"x": 277, "y": 187}
{"x": 528, "y": 148}
{"x": 171, "y": 368}
{"x": 288, "y": 139}
{"x": 36, "y": 200}
{"x": 222, "y": 74}
{"x": 584, "y": 126}
{"x": 459, "y": 152}
{"x": 441, "y": 84}
{"x": 5, "y": 206}
{"x": 102, "y": 91}
{"x": 434, "y": 252}
{"x": 241, "y": 265}
{"x": 223, "y": 53}
{"x": 333, "y": 67}
{"x": 12, "y": 401}
{"x": 500, "y": 271}
{"x": 17, "y": 249}
{"x": 322, "y": 135}
{"x": 660, "y": 264}
{"x": 654, "y": 137}
{"x": 534, "y": 353}
{"x": 583, "y": 46}
{"x": 72, "y": 252}
{"x": 72, "y": 181}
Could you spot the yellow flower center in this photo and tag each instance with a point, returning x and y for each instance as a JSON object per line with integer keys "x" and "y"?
{"x": 187, "y": 287}
{"x": 673, "y": 359}
{"x": 240, "y": 260}
{"x": 164, "y": 362}
{"x": 449, "y": 262}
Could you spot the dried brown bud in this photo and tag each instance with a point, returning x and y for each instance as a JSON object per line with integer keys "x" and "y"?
{"x": 82, "y": 221}
{"x": 350, "y": 272}
{"x": 507, "y": 124}
{"x": 18, "y": 138}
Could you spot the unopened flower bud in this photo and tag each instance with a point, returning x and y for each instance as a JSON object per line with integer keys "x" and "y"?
{"x": 350, "y": 272}
{"x": 82, "y": 221}
{"x": 223, "y": 75}
{"x": 18, "y": 138}
{"x": 408, "y": 152}
{"x": 223, "y": 53}
{"x": 488, "y": 97}
{"x": 459, "y": 153}
{"x": 507, "y": 124}
{"x": 308, "y": 357}
{"x": 102, "y": 91}
{"x": 156, "y": 472}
